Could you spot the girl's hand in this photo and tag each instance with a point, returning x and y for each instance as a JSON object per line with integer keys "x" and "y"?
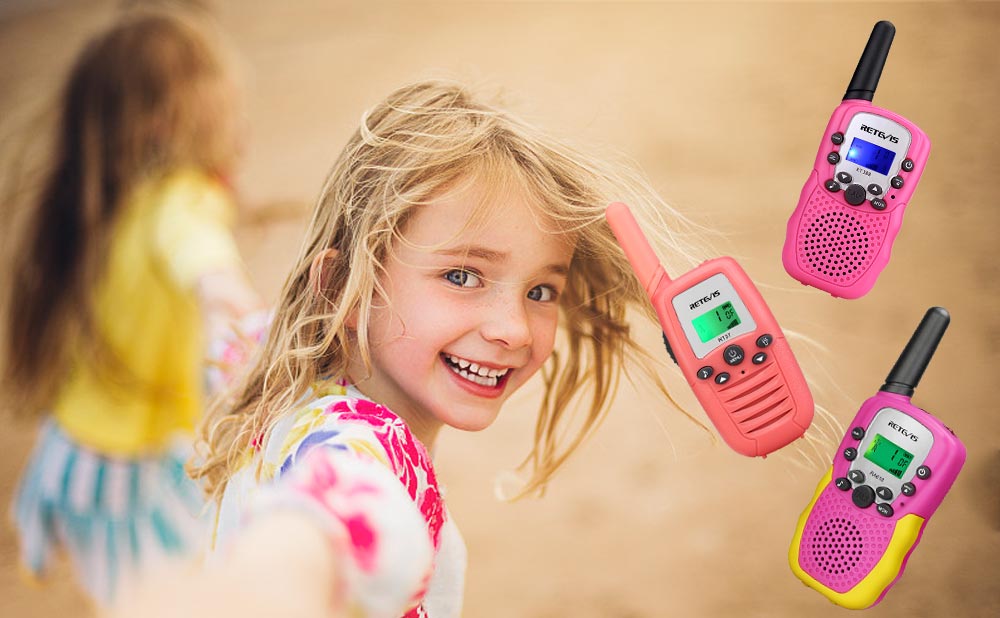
{"x": 281, "y": 565}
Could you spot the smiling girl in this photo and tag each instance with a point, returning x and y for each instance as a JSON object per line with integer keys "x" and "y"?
{"x": 450, "y": 245}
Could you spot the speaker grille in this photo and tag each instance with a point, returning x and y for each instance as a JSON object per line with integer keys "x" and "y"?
{"x": 758, "y": 401}
{"x": 837, "y": 242}
{"x": 840, "y": 543}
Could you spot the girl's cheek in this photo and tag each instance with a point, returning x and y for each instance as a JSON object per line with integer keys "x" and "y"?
{"x": 546, "y": 337}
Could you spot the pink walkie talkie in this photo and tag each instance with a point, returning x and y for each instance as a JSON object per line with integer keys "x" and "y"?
{"x": 723, "y": 336}
{"x": 893, "y": 469}
{"x": 870, "y": 159}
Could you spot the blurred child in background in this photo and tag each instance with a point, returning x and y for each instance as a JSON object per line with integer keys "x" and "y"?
{"x": 450, "y": 245}
{"x": 126, "y": 260}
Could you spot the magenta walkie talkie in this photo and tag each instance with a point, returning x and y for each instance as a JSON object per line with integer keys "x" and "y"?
{"x": 869, "y": 162}
{"x": 893, "y": 469}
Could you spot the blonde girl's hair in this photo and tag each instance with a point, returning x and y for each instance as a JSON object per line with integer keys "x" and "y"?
{"x": 149, "y": 95}
{"x": 422, "y": 141}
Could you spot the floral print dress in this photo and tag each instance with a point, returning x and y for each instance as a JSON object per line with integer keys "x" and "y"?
{"x": 370, "y": 483}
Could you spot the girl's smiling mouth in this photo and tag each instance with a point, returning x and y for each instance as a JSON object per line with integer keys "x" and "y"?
{"x": 474, "y": 372}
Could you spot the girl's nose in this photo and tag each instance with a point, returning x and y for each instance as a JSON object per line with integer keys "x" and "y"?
{"x": 506, "y": 322}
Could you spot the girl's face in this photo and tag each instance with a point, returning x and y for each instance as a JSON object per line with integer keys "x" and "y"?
{"x": 469, "y": 315}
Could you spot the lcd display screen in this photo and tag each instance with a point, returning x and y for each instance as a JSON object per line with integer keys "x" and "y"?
{"x": 714, "y": 322}
{"x": 871, "y": 156}
{"x": 888, "y": 455}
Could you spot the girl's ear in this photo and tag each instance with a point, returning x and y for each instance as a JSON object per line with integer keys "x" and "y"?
{"x": 320, "y": 269}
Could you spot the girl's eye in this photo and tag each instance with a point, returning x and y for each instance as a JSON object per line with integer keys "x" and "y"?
{"x": 463, "y": 278}
{"x": 542, "y": 293}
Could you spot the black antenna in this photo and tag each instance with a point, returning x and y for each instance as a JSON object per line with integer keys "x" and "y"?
{"x": 906, "y": 373}
{"x": 869, "y": 69}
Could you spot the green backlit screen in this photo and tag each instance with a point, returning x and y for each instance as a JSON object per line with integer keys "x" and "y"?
{"x": 714, "y": 322}
{"x": 888, "y": 455}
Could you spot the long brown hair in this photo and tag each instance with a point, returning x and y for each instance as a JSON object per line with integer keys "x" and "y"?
{"x": 411, "y": 148}
{"x": 149, "y": 95}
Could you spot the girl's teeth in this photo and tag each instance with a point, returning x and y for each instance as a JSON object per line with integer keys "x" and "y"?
{"x": 476, "y": 378}
{"x": 475, "y": 373}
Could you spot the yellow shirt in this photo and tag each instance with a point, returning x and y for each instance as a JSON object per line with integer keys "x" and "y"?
{"x": 171, "y": 232}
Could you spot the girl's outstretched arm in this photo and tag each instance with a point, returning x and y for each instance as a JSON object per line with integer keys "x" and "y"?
{"x": 338, "y": 534}
{"x": 281, "y": 565}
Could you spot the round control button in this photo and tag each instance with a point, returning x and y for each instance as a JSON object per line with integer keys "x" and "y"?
{"x": 863, "y": 496}
{"x": 837, "y": 138}
{"x": 832, "y": 185}
{"x": 833, "y": 158}
{"x": 855, "y": 195}
{"x": 907, "y": 165}
{"x": 843, "y": 484}
{"x": 858, "y": 432}
{"x": 909, "y": 489}
{"x": 885, "y": 510}
{"x": 923, "y": 472}
{"x": 884, "y": 493}
{"x": 758, "y": 358}
{"x": 722, "y": 378}
{"x": 764, "y": 340}
{"x": 896, "y": 182}
{"x": 844, "y": 177}
{"x": 705, "y": 372}
{"x": 878, "y": 203}
{"x": 857, "y": 476}
{"x": 850, "y": 453}
{"x": 875, "y": 189}
{"x": 733, "y": 355}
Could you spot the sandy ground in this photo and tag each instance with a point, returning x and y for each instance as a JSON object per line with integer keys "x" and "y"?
{"x": 722, "y": 105}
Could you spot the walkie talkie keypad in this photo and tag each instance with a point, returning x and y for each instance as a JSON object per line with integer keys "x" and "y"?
{"x": 864, "y": 169}
{"x": 868, "y": 474}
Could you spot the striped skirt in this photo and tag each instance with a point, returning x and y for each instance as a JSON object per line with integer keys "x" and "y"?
{"x": 114, "y": 518}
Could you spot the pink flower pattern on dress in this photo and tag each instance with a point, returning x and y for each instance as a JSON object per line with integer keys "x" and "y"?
{"x": 320, "y": 481}
{"x": 408, "y": 457}
{"x": 315, "y": 476}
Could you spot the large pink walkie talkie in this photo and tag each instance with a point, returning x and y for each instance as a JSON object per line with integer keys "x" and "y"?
{"x": 892, "y": 470}
{"x": 724, "y": 338}
{"x": 870, "y": 159}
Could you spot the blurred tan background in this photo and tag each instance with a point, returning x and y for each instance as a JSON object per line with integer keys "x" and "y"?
{"x": 723, "y": 106}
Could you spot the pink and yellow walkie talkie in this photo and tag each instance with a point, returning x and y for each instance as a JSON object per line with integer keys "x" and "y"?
{"x": 722, "y": 335}
{"x": 893, "y": 469}
{"x": 870, "y": 159}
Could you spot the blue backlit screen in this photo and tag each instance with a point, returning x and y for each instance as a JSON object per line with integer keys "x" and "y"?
{"x": 871, "y": 156}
